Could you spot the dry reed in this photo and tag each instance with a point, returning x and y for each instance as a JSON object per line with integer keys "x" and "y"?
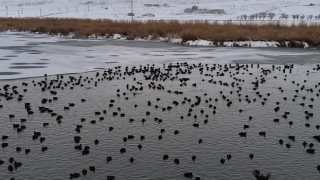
{"x": 82, "y": 28}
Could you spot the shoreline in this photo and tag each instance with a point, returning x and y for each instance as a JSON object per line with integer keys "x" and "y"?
{"x": 179, "y": 41}
{"x": 191, "y": 34}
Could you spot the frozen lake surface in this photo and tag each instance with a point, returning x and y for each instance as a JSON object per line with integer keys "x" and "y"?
{"x": 27, "y": 55}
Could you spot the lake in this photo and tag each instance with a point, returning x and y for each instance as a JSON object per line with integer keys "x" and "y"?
{"x": 200, "y": 93}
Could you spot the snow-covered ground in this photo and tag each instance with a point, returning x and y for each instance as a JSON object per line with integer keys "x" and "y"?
{"x": 119, "y": 9}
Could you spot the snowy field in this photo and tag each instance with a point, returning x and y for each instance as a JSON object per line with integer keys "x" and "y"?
{"x": 174, "y": 9}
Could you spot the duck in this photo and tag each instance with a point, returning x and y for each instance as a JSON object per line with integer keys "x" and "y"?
{"x": 111, "y": 177}
{"x": 222, "y": 161}
{"x": 176, "y": 161}
{"x": 259, "y": 176}
{"x": 165, "y": 157}
{"x": 193, "y": 158}
{"x": 229, "y": 157}
{"x": 84, "y": 172}
{"x": 243, "y": 134}
{"x": 262, "y": 133}
{"x": 92, "y": 168}
{"x": 188, "y": 175}
{"x": 131, "y": 160}
{"x": 96, "y": 142}
{"x": 109, "y": 159}
{"x": 310, "y": 151}
{"x": 122, "y": 150}
{"x": 43, "y": 149}
{"x": 74, "y": 175}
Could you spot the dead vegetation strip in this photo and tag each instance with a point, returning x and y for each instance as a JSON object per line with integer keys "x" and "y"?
{"x": 193, "y": 30}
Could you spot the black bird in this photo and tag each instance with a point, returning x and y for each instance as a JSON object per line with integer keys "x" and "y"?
{"x": 293, "y": 138}
{"x": 42, "y": 139}
{"x": 251, "y": 156}
{"x": 243, "y": 134}
{"x": 10, "y": 168}
{"x": 18, "y": 149}
{"x": 290, "y": 123}
{"x": 43, "y": 149}
{"x": 11, "y": 160}
{"x": 281, "y": 141}
{"x": 109, "y": 158}
{"x": 288, "y": 145}
{"x": 131, "y": 160}
{"x": 188, "y": 175}
{"x": 111, "y": 177}
{"x": 92, "y": 168}
{"x": 193, "y": 158}
{"x": 96, "y": 142}
{"x": 229, "y": 157}
{"x": 310, "y": 151}
{"x": 222, "y": 161}
{"x": 3, "y": 145}
{"x": 74, "y": 175}
{"x": 165, "y": 157}
{"x": 4, "y": 138}
{"x": 262, "y": 133}
{"x": 176, "y": 161}
{"x": 122, "y": 150}
{"x": 304, "y": 144}
{"x": 259, "y": 176}
{"x": 27, "y": 151}
{"x": 78, "y": 147}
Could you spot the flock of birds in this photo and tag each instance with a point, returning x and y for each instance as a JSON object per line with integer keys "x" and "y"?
{"x": 152, "y": 77}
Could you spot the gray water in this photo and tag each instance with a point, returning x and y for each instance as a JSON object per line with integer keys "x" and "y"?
{"x": 220, "y": 134}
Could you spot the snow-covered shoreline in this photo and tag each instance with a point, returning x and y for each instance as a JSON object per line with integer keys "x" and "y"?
{"x": 200, "y": 42}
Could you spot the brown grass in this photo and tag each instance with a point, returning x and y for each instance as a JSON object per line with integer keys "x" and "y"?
{"x": 82, "y": 28}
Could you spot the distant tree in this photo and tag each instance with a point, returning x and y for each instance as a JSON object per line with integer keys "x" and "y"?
{"x": 283, "y": 16}
{"x": 264, "y": 15}
{"x": 256, "y": 16}
{"x": 271, "y": 15}
{"x": 245, "y": 17}
{"x": 310, "y": 17}
{"x": 195, "y": 8}
{"x": 297, "y": 16}
{"x": 252, "y": 16}
{"x": 302, "y": 17}
{"x": 294, "y": 17}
